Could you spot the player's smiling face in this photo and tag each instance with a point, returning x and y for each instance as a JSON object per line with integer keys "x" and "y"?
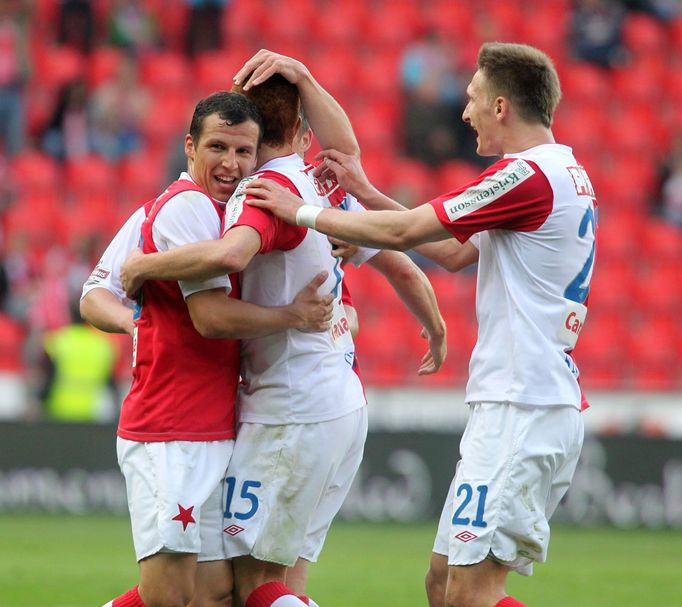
{"x": 223, "y": 155}
{"x": 480, "y": 114}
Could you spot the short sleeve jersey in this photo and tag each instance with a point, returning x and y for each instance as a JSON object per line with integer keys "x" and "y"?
{"x": 106, "y": 274}
{"x": 184, "y": 386}
{"x": 535, "y": 213}
{"x": 293, "y": 376}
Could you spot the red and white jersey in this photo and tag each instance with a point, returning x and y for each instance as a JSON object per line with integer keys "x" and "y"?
{"x": 184, "y": 386}
{"x": 293, "y": 377}
{"x": 536, "y": 215}
{"x": 107, "y": 272}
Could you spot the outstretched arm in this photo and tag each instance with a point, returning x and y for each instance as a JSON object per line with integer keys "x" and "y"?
{"x": 416, "y": 292}
{"x": 327, "y": 118}
{"x": 399, "y": 230}
{"x": 347, "y": 170}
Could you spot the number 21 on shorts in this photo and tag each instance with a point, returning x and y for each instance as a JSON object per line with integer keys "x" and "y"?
{"x": 467, "y": 503}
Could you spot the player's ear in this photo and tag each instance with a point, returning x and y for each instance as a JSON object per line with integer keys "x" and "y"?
{"x": 501, "y": 107}
{"x": 189, "y": 146}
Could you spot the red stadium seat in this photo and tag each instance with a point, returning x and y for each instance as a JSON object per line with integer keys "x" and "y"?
{"x": 655, "y": 356}
{"x": 584, "y": 82}
{"x": 612, "y": 287}
{"x": 340, "y": 24}
{"x": 659, "y": 291}
{"x": 104, "y": 64}
{"x": 661, "y": 243}
{"x": 58, "y": 65}
{"x": 91, "y": 176}
{"x": 35, "y": 174}
{"x": 166, "y": 73}
{"x": 644, "y": 35}
{"x": 214, "y": 71}
{"x": 455, "y": 174}
{"x": 411, "y": 181}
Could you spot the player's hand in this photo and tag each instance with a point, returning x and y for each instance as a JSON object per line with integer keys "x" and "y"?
{"x": 341, "y": 248}
{"x": 312, "y": 309}
{"x": 270, "y": 195}
{"x": 345, "y": 169}
{"x": 433, "y": 359}
{"x": 264, "y": 64}
{"x": 130, "y": 277}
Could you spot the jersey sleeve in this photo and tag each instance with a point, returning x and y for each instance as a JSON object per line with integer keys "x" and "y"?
{"x": 363, "y": 254}
{"x": 107, "y": 272}
{"x": 512, "y": 194}
{"x": 186, "y": 218}
{"x": 275, "y": 234}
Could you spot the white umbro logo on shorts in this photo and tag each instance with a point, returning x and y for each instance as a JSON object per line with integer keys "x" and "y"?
{"x": 233, "y": 530}
{"x": 466, "y": 536}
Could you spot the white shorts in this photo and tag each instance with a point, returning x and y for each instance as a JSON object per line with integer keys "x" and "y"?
{"x": 175, "y": 495}
{"x": 286, "y": 483}
{"x": 516, "y": 464}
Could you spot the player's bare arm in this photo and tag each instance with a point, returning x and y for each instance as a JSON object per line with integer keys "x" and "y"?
{"x": 215, "y": 315}
{"x": 327, "y": 118}
{"x": 196, "y": 261}
{"x": 347, "y": 170}
{"x": 380, "y": 229}
{"x": 416, "y": 292}
{"x": 103, "y": 310}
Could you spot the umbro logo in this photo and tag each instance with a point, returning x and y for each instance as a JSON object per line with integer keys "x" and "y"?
{"x": 233, "y": 530}
{"x": 466, "y": 536}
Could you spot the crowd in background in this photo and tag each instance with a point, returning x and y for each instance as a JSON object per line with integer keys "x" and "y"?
{"x": 95, "y": 98}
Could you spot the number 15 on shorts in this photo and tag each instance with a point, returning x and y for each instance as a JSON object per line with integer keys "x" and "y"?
{"x": 467, "y": 504}
{"x": 246, "y": 494}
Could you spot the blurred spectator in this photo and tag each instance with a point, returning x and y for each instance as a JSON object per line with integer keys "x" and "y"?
{"x": 14, "y": 73}
{"x": 665, "y": 10}
{"x": 132, "y": 27}
{"x": 76, "y": 24}
{"x": 434, "y": 99}
{"x": 669, "y": 200}
{"x": 79, "y": 377}
{"x": 118, "y": 106}
{"x": 67, "y": 134}
{"x": 13, "y": 394}
{"x": 596, "y": 32}
{"x": 204, "y": 30}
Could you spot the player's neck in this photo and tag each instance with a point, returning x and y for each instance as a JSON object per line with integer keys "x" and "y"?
{"x": 526, "y": 138}
{"x": 268, "y": 152}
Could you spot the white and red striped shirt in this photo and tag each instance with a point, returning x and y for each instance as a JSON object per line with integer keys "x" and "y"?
{"x": 536, "y": 215}
{"x": 184, "y": 385}
{"x": 293, "y": 377}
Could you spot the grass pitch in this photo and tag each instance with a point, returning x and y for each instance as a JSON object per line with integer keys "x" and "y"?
{"x": 62, "y": 561}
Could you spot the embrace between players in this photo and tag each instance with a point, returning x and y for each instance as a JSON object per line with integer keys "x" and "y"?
{"x": 229, "y": 510}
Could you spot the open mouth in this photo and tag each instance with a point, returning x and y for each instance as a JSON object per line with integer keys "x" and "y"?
{"x": 225, "y": 180}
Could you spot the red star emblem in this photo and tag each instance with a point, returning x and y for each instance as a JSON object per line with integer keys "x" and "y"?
{"x": 184, "y": 516}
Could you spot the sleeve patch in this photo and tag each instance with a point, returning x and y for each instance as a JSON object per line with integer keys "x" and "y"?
{"x": 235, "y": 205}
{"x": 488, "y": 190}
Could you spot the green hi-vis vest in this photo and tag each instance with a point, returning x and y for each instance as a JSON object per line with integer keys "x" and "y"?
{"x": 83, "y": 360}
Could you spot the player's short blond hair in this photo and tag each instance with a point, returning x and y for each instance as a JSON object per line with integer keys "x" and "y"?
{"x": 525, "y": 76}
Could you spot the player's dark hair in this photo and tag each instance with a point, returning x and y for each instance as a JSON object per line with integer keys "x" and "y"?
{"x": 524, "y": 75}
{"x": 278, "y": 101}
{"x": 231, "y": 107}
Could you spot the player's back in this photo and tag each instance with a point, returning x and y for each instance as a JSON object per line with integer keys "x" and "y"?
{"x": 532, "y": 289}
{"x": 294, "y": 376}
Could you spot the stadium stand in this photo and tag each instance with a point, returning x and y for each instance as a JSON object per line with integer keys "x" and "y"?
{"x": 620, "y": 121}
